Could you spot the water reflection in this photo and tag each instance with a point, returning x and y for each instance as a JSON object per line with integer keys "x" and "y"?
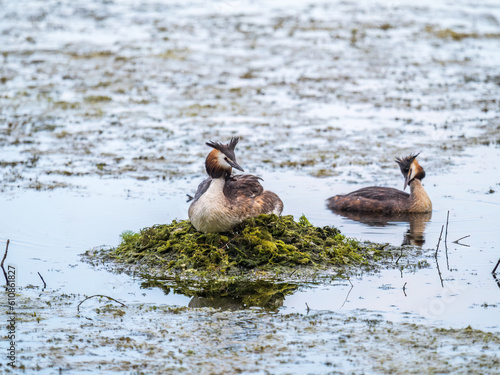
{"x": 497, "y": 280}
{"x": 242, "y": 294}
{"x": 227, "y": 294}
{"x": 415, "y": 235}
{"x": 494, "y": 273}
{"x": 223, "y": 303}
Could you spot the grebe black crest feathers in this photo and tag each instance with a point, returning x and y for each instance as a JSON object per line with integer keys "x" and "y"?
{"x": 409, "y": 170}
{"x": 388, "y": 200}
{"x": 224, "y": 200}
{"x": 221, "y": 159}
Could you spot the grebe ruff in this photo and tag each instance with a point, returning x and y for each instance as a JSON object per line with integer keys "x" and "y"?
{"x": 388, "y": 200}
{"x": 222, "y": 200}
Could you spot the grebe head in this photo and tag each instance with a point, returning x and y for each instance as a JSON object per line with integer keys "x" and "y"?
{"x": 410, "y": 169}
{"x": 222, "y": 159}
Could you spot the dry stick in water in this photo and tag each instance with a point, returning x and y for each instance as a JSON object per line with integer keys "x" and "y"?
{"x": 44, "y": 283}
{"x": 446, "y": 233}
{"x": 98, "y": 295}
{"x": 495, "y": 269}
{"x": 400, "y": 255}
{"x": 436, "y": 257}
{"x": 349, "y": 292}
{"x": 3, "y": 260}
{"x": 439, "y": 241}
{"x": 446, "y": 242}
{"x": 461, "y": 238}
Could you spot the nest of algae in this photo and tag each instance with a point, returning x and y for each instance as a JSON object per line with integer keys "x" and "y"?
{"x": 250, "y": 266}
{"x": 266, "y": 243}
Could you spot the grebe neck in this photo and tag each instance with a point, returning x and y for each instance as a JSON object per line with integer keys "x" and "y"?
{"x": 420, "y": 201}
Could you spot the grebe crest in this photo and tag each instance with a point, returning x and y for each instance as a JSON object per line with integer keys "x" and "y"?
{"x": 224, "y": 200}
{"x": 388, "y": 200}
{"x": 410, "y": 169}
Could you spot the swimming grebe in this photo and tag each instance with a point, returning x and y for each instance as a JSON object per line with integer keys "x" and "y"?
{"x": 223, "y": 201}
{"x": 388, "y": 200}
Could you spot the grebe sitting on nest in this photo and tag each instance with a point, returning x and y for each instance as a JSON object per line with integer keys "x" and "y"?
{"x": 388, "y": 200}
{"x": 223, "y": 201}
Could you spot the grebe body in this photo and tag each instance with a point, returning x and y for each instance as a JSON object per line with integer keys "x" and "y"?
{"x": 223, "y": 200}
{"x": 388, "y": 200}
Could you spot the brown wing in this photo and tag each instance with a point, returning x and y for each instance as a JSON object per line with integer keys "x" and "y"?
{"x": 370, "y": 199}
{"x": 245, "y": 185}
{"x": 245, "y": 192}
{"x": 379, "y": 193}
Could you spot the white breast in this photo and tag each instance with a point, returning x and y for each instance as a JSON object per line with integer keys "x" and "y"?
{"x": 210, "y": 213}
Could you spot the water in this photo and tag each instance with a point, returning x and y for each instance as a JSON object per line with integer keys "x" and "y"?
{"x": 63, "y": 224}
{"x": 104, "y": 111}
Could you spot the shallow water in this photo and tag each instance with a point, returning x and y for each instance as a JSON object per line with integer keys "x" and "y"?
{"x": 102, "y": 128}
{"x": 65, "y": 223}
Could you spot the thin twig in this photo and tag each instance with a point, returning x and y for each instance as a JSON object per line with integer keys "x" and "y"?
{"x": 439, "y": 273}
{"x": 495, "y": 269}
{"x": 349, "y": 292}
{"x": 446, "y": 233}
{"x": 436, "y": 257}
{"x": 400, "y": 255}
{"x": 404, "y": 289}
{"x": 3, "y": 260}
{"x": 461, "y": 238}
{"x": 446, "y": 242}
{"x": 44, "y": 283}
{"x": 99, "y": 295}
{"x": 228, "y": 242}
{"x": 307, "y": 308}
{"x": 439, "y": 241}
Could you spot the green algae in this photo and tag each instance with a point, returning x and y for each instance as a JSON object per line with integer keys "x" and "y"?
{"x": 93, "y": 99}
{"x": 259, "y": 263}
{"x": 262, "y": 243}
{"x": 448, "y": 33}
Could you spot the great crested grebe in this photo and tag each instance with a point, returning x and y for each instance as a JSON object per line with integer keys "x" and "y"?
{"x": 388, "y": 200}
{"x": 222, "y": 200}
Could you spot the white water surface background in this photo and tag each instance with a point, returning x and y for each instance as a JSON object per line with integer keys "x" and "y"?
{"x": 104, "y": 111}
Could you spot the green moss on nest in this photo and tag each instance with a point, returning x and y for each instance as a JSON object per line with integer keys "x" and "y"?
{"x": 263, "y": 242}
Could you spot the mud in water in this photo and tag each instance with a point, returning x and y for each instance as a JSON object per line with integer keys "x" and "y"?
{"x": 104, "y": 111}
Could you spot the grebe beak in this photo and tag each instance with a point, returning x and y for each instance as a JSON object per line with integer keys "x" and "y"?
{"x": 409, "y": 177}
{"x": 407, "y": 180}
{"x": 235, "y": 165}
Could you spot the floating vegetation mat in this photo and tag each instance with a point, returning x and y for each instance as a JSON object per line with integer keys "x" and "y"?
{"x": 267, "y": 242}
{"x": 257, "y": 264}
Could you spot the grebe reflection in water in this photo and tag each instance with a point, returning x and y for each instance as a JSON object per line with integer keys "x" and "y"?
{"x": 415, "y": 234}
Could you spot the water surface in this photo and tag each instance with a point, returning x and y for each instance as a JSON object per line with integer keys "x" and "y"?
{"x": 104, "y": 111}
